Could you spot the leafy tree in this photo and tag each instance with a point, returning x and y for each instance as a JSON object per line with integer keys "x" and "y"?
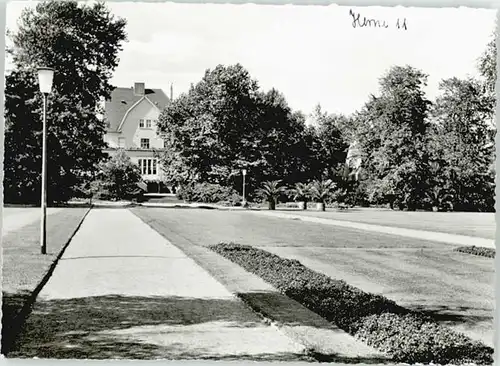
{"x": 224, "y": 124}
{"x": 463, "y": 145}
{"x": 82, "y": 43}
{"x": 328, "y": 144}
{"x": 392, "y": 137}
{"x": 118, "y": 177}
{"x": 488, "y": 65}
{"x": 334, "y": 145}
{"x": 202, "y": 128}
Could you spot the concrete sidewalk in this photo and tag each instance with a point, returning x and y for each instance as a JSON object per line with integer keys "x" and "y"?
{"x": 452, "y": 239}
{"x": 123, "y": 291}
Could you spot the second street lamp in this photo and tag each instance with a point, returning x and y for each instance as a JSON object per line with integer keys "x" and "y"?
{"x": 45, "y": 78}
{"x": 244, "y": 172}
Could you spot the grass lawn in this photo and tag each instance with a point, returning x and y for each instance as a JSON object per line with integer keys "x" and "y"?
{"x": 14, "y": 218}
{"x": 23, "y": 265}
{"x": 456, "y": 288}
{"x": 462, "y": 223}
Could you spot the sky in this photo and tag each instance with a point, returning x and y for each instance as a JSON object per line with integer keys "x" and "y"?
{"x": 312, "y": 54}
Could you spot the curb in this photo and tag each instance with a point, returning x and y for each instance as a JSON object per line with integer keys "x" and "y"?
{"x": 25, "y": 311}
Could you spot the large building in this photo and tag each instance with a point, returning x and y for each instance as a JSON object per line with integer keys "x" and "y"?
{"x": 132, "y": 116}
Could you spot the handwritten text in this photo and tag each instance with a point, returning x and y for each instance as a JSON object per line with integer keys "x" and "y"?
{"x": 375, "y": 23}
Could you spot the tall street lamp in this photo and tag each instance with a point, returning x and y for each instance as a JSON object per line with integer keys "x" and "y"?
{"x": 45, "y": 78}
{"x": 244, "y": 172}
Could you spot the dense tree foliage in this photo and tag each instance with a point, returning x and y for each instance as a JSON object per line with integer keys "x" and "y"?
{"x": 392, "y": 136}
{"x": 415, "y": 154}
{"x": 463, "y": 146}
{"x": 81, "y": 42}
{"x": 224, "y": 124}
{"x": 332, "y": 142}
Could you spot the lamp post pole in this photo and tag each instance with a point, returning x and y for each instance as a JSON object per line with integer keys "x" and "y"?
{"x": 43, "y": 226}
{"x": 244, "y": 171}
{"x": 45, "y": 78}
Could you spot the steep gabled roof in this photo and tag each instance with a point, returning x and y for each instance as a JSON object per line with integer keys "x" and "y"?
{"x": 122, "y": 99}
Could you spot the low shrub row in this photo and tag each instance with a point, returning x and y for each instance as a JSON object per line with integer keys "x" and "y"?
{"x": 407, "y": 336}
{"x": 484, "y": 252}
{"x": 209, "y": 193}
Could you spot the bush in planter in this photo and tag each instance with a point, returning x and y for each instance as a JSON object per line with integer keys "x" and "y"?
{"x": 302, "y": 193}
{"x": 270, "y": 191}
{"x": 320, "y": 190}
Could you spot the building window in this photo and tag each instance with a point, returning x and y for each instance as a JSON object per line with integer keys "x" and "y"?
{"x": 144, "y": 143}
{"x": 148, "y": 123}
{"x": 148, "y": 166}
{"x": 121, "y": 141}
{"x": 141, "y": 123}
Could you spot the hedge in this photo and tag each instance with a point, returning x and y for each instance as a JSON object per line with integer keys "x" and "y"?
{"x": 482, "y": 251}
{"x": 405, "y": 335}
{"x": 209, "y": 193}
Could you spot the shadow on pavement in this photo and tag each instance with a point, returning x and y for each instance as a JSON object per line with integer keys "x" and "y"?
{"x": 114, "y": 326}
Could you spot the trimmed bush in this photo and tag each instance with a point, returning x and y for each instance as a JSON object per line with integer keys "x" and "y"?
{"x": 482, "y": 251}
{"x": 410, "y": 338}
{"x": 209, "y": 193}
{"x": 405, "y": 335}
{"x": 117, "y": 179}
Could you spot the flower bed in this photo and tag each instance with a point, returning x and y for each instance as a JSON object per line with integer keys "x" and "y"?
{"x": 406, "y": 336}
{"x": 484, "y": 252}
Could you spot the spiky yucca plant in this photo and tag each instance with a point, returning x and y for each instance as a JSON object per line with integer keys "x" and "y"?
{"x": 320, "y": 191}
{"x": 302, "y": 192}
{"x": 271, "y": 190}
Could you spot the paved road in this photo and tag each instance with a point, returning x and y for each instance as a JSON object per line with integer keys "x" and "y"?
{"x": 455, "y": 288}
{"x": 122, "y": 291}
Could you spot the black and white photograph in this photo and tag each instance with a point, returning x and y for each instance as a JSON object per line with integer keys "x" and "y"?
{"x": 249, "y": 182}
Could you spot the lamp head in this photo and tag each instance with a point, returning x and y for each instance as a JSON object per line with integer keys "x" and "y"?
{"x": 244, "y": 171}
{"x": 45, "y": 78}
